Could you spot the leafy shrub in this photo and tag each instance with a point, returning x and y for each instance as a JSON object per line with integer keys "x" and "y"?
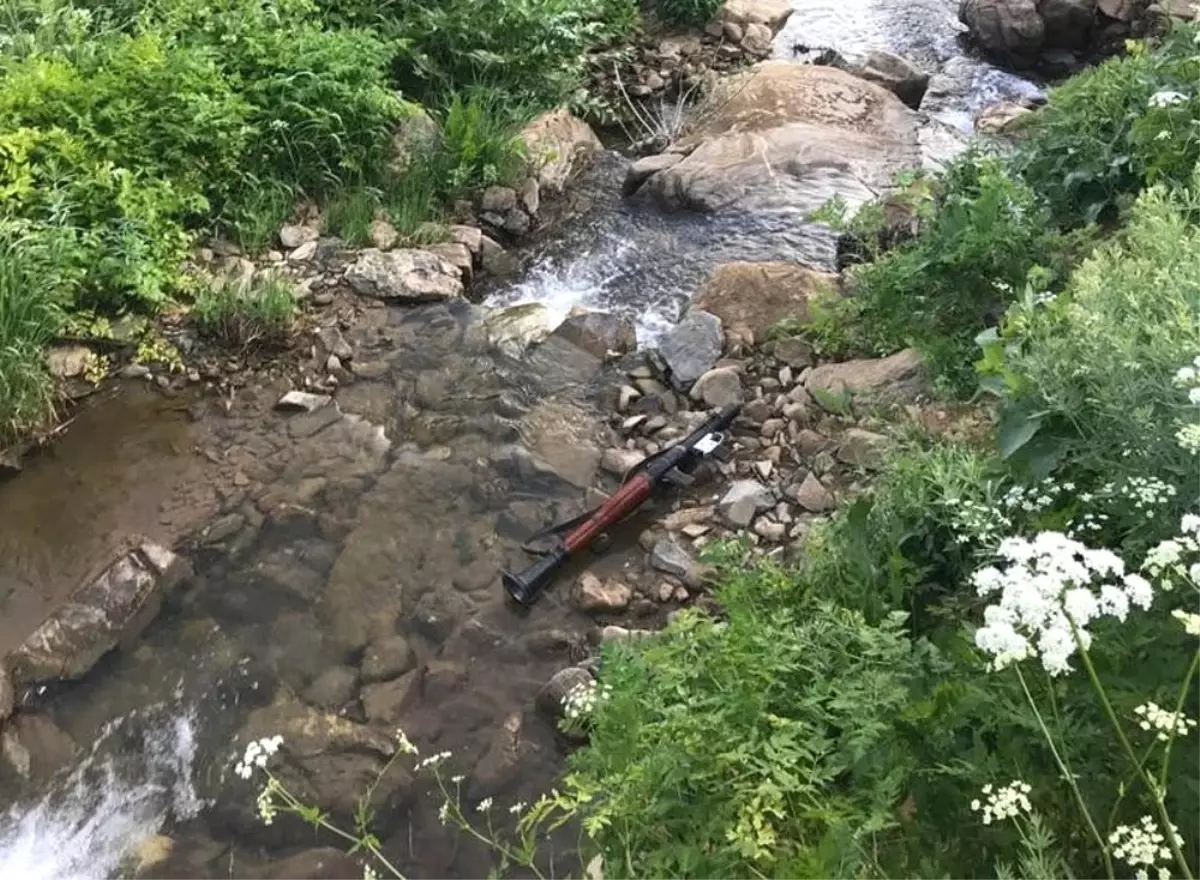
{"x": 986, "y": 236}
{"x": 1086, "y": 377}
{"x": 763, "y": 745}
{"x": 1110, "y": 130}
{"x": 246, "y": 315}
{"x": 533, "y": 49}
{"x": 689, "y": 12}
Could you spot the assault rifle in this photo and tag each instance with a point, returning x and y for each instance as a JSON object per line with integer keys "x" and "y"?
{"x": 671, "y": 466}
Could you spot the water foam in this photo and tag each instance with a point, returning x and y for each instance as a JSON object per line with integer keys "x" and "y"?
{"x": 137, "y": 774}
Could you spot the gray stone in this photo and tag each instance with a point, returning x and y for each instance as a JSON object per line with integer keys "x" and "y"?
{"x": 333, "y": 688}
{"x": 794, "y": 351}
{"x": 770, "y": 530}
{"x": 896, "y": 74}
{"x": 641, "y": 170}
{"x": 470, "y": 236}
{"x": 333, "y": 342}
{"x": 594, "y": 595}
{"x": 404, "y": 275}
{"x": 500, "y": 761}
{"x": 899, "y": 376}
{"x": 438, "y": 611}
{"x": 743, "y": 500}
{"x": 494, "y": 259}
{"x": 387, "y": 659}
{"x": 668, "y": 556}
{"x": 719, "y": 387}
{"x": 386, "y": 701}
{"x": 457, "y": 254}
{"x": 619, "y": 462}
{"x": 303, "y": 401}
{"x": 551, "y": 699}
{"x": 319, "y": 863}
{"x": 861, "y": 448}
{"x": 292, "y": 236}
{"x": 68, "y": 361}
{"x": 304, "y": 253}
{"x": 812, "y": 495}
{"x": 1011, "y": 30}
{"x": 517, "y": 222}
{"x": 692, "y": 347}
{"x": 498, "y": 199}
{"x": 530, "y": 197}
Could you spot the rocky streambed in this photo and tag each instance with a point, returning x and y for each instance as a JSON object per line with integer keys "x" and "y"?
{"x": 314, "y": 551}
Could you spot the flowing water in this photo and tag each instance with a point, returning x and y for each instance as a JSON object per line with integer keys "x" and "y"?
{"x": 326, "y": 533}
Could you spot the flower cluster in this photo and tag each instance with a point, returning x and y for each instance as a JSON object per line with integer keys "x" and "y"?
{"x": 267, "y": 808}
{"x": 1148, "y": 492}
{"x": 1143, "y": 846}
{"x": 1176, "y": 558}
{"x": 1006, "y": 802}
{"x": 1190, "y": 621}
{"x": 581, "y": 700}
{"x": 1036, "y": 498}
{"x": 432, "y": 760}
{"x": 258, "y": 752}
{"x": 1166, "y": 98}
{"x": 1154, "y": 717}
{"x": 403, "y": 744}
{"x": 1188, "y": 435}
{"x": 1050, "y": 589}
{"x": 974, "y": 521}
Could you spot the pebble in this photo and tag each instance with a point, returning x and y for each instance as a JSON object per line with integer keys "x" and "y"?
{"x": 594, "y": 595}
{"x": 812, "y": 495}
{"x": 688, "y": 516}
{"x": 785, "y": 376}
{"x": 668, "y": 556}
{"x": 763, "y": 468}
{"x": 771, "y": 427}
{"x": 743, "y": 500}
{"x": 695, "y": 530}
{"x": 302, "y": 401}
{"x": 618, "y": 462}
{"x": 631, "y": 424}
{"x": 772, "y": 531}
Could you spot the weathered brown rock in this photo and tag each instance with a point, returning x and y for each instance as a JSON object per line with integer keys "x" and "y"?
{"x": 812, "y": 495}
{"x": 404, "y": 275}
{"x": 386, "y": 701}
{"x": 861, "y": 448}
{"x": 594, "y": 595}
{"x": 559, "y": 145}
{"x": 898, "y": 376}
{"x": 457, "y": 254}
{"x": 383, "y": 234}
{"x": 719, "y": 387}
{"x": 111, "y": 609}
{"x": 896, "y": 74}
{"x": 789, "y": 135}
{"x": 500, "y": 761}
{"x": 772, "y": 13}
{"x": 753, "y": 297}
{"x": 8, "y": 694}
{"x": 1006, "y": 117}
{"x": 387, "y": 659}
{"x": 598, "y": 333}
{"x": 641, "y": 170}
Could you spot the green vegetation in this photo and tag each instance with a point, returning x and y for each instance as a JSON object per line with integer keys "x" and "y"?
{"x": 129, "y": 129}
{"x": 244, "y": 316}
{"x": 984, "y": 665}
{"x": 693, "y": 12}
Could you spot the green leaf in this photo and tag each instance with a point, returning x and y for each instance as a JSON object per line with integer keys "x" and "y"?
{"x": 1014, "y": 430}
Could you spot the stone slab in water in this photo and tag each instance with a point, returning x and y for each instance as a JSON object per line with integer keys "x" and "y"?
{"x": 113, "y": 607}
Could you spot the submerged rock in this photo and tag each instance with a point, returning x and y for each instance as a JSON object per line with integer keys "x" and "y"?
{"x": 106, "y": 611}
{"x": 514, "y": 329}
{"x": 404, "y": 275}
{"x": 321, "y": 863}
{"x": 34, "y": 747}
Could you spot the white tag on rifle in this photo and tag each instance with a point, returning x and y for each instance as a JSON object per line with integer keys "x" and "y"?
{"x": 709, "y": 442}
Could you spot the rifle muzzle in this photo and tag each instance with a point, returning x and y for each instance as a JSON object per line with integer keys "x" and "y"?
{"x": 525, "y": 586}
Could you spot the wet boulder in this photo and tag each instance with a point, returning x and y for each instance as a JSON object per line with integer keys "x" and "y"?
{"x": 1010, "y": 30}
{"x": 751, "y": 297}
{"x": 598, "y": 333}
{"x": 406, "y": 276}
{"x": 559, "y": 145}
{"x": 773, "y": 14}
{"x": 109, "y": 610}
{"x": 387, "y": 659}
{"x": 896, "y": 74}
{"x": 512, "y": 330}
{"x": 789, "y": 136}
{"x": 333, "y": 688}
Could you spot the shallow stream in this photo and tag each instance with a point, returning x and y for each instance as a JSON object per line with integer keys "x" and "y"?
{"x": 317, "y": 534}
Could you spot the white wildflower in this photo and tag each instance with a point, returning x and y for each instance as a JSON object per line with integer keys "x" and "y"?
{"x": 1050, "y": 590}
{"x": 267, "y": 808}
{"x": 444, "y": 812}
{"x": 1142, "y": 846}
{"x": 484, "y": 805}
{"x": 432, "y": 760}
{"x": 1154, "y": 717}
{"x": 581, "y": 700}
{"x": 457, "y": 779}
{"x": 404, "y": 744}
{"x": 1007, "y": 802}
{"x": 1166, "y": 98}
{"x": 1190, "y": 621}
{"x": 369, "y": 873}
{"x": 518, "y": 808}
{"x": 1188, "y": 438}
{"x": 257, "y": 753}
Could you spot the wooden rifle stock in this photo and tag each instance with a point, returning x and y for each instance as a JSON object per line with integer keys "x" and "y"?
{"x": 525, "y": 586}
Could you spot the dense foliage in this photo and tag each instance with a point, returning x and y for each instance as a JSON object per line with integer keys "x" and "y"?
{"x": 986, "y": 664}
{"x": 128, "y": 128}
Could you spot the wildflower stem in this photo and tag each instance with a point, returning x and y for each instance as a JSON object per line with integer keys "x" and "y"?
{"x": 1155, "y": 792}
{"x": 1062, "y": 766}
{"x": 1183, "y": 692}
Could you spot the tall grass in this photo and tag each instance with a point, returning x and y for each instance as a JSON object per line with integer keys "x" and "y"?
{"x": 28, "y": 320}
